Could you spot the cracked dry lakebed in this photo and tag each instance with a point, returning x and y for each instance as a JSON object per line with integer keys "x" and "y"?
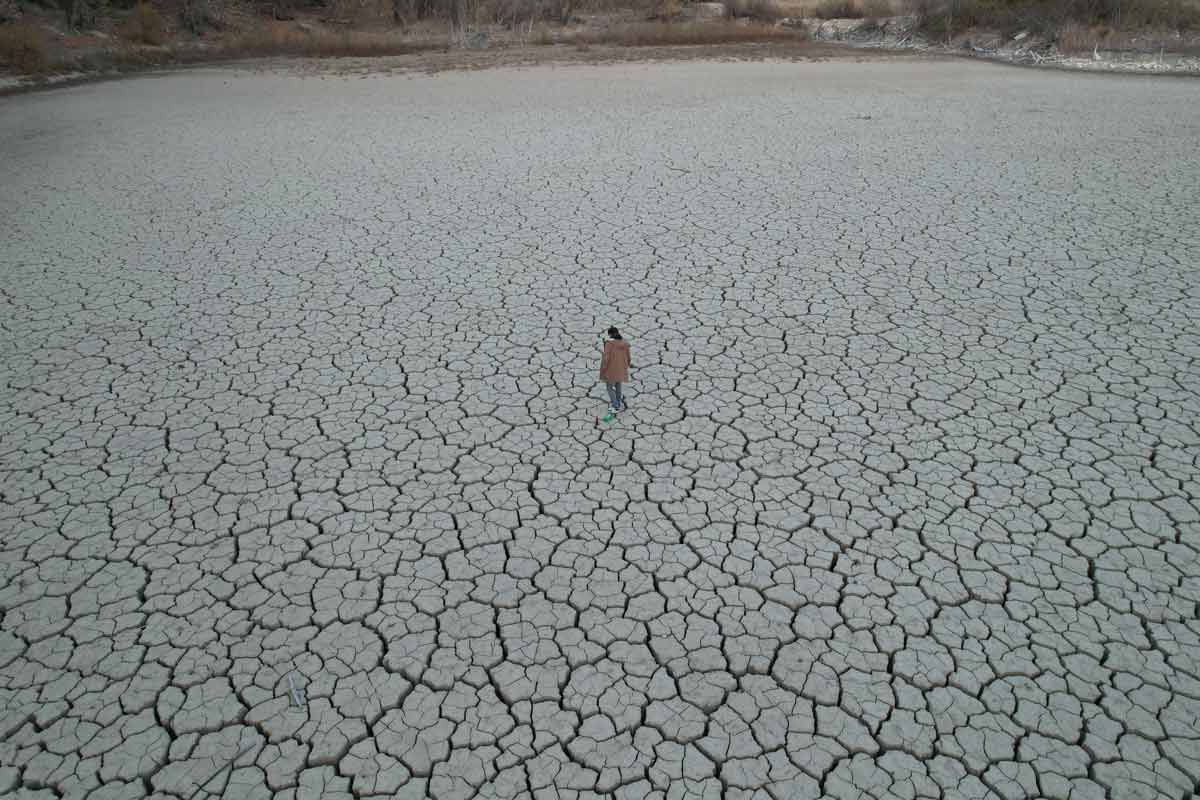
{"x": 303, "y": 494}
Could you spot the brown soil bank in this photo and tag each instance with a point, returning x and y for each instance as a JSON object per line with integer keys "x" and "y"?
{"x": 446, "y": 59}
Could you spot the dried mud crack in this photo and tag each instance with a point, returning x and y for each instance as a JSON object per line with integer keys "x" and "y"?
{"x": 302, "y": 494}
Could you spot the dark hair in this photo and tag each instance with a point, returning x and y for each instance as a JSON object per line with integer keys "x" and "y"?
{"x": 613, "y": 332}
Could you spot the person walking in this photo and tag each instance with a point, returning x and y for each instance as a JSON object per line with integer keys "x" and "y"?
{"x": 614, "y": 371}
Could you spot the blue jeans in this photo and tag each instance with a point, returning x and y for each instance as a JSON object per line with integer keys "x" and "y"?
{"x": 615, "y": 398}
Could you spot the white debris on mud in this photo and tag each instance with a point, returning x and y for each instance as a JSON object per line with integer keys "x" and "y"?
{"x": 899, "y": 33}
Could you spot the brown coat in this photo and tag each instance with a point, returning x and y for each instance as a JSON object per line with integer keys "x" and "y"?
{"x": 614, "y": 364}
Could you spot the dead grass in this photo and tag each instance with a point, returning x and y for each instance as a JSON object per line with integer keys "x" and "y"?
{"x": 22, "y": 47}
{"x": 638, "y": 7}
{"x": 652, "y": 34}
{"x": 144, "y": 26}
{"x": 1075, "y": 38}
{"x": 289, "y": 40}
{"x": 282, "y": 39}
{"x": 666, "y": 10}
{"x": 271, "y": 40}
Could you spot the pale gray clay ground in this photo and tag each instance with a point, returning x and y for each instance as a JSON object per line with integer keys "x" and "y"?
{"x": 297, "y": 388}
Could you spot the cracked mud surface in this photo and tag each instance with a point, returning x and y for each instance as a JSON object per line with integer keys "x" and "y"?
{"x": 297, "y": 391}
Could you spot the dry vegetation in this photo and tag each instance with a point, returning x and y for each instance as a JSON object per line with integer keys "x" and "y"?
{"x": 946, "y": 17}
{"x": 22, "y": 47}
{"x": 279, "y": 39}
{"x": 188, "y": 31}
{"x": 144, "y": 26}
{"x": 667, "y": 34}
{"x": 1075, "y": 38}
{"x": 852, "y": 9}
{"x": 757, "y": 10}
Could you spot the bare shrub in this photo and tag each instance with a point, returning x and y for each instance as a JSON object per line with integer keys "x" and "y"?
{"x": 144, "y": 25}
{"x": 762, "y": 10}
{"x": 197, "y": 15}
{"x": 404, "y": 12}
{"x": 463, "y": 16}
{"x": 1176, "y": 14}
{"x": 941, "y": 17}
{"x": 838, "y": 9}
{"x": 1050, "y": 16}
{"x": 877, "y": 8}
{"x": 79, "y": 13}
{"x": 10, "y": 11}
{"x": 22, "y": 47}
{"x": 511, "y": 13}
